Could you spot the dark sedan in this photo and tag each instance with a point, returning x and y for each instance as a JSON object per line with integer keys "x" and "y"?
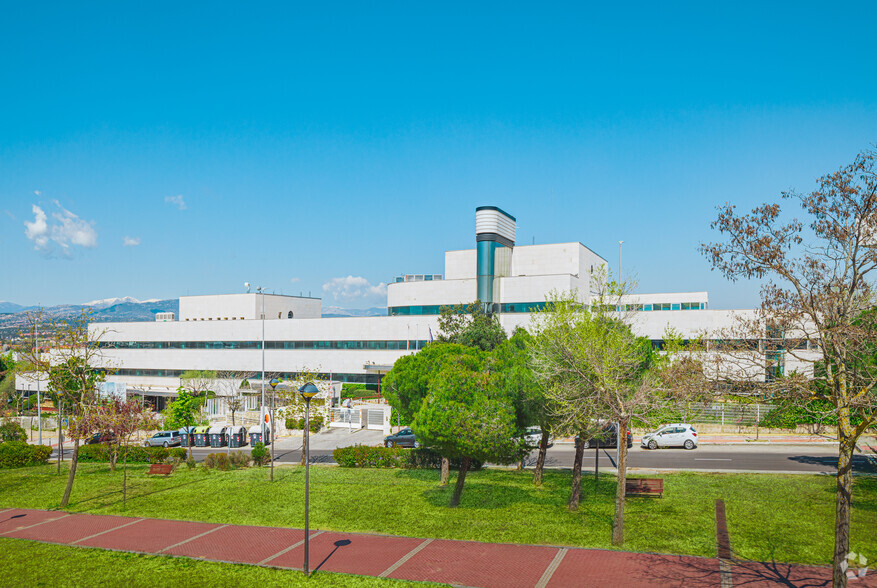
{"x": 404, "y": 438}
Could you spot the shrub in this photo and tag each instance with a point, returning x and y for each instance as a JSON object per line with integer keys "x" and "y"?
{"x": 315, "y": 426}
{"x": 218, "y": 461}
{"x": 259, "y": 454}
{"x": 239, "y": 459}
{"x": 16, "y": 454}
{"x": 101, "y": 452}
{"x": 12, "y": 431}
{"x": 190, "y": 463}
{"x": 364, "y": 456}
{"x": 178, "y": 454}
{"x": 157, "y": 454}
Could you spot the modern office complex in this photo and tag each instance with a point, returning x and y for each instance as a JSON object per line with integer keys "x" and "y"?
{"x": 226, "y": 332}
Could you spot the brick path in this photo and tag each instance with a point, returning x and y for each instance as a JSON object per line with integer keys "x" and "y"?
{"x": 461, "y": 563}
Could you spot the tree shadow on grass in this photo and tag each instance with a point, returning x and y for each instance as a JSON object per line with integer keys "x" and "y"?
{"x": 132, "y": 494}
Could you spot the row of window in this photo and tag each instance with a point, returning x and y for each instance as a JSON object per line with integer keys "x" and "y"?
{"x": 397, "y": 345}
{"x": 374, "y": 379}
{"x": 518, "y": 307}
{"x": 430, "y": 309}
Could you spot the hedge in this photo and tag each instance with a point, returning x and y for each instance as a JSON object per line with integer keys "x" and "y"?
{"x": 102, "y": 452}
{"x": 16, "y": 454}
{"x": 365, "y": 456}
{"x": 12, "y": 431}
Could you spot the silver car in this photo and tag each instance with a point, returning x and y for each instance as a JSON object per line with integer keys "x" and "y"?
{"x": 164, "y": 439}
{"x": 672, "y": 435}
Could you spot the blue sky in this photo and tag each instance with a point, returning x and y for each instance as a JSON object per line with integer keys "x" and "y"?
{"x": 184, "y": 148}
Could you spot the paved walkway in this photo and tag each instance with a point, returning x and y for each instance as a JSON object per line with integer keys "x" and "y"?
{"x": 461, "y": 563}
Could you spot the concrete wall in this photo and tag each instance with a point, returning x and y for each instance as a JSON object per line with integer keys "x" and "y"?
{"x": 246, "y": 307}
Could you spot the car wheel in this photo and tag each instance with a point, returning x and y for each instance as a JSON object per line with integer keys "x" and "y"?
{"x": 653, "y": 444}
{"x": 416, "y": 445}
{"x": 146, "y": 444}
{"x": 386, "y": 443}
{"x": 689, "y": 444}
{"x": 586, "y": 444}
{"x": 165, "y": 444}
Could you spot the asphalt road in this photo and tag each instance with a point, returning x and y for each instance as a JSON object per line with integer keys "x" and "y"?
{"x": 777, "y": 458}
{"x": 754, "y": 457}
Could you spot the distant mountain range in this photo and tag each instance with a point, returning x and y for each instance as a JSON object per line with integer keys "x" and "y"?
{"x": 127, "y": 309}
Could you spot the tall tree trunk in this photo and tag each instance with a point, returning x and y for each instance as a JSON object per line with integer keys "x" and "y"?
{"x": 60, "y": 438}
{"x": 843, "y": 498}
{"x": 446, "y": 471}
{"x": 461, "y": 479}
{"x": 618, "y": 522}
{"x": 576, "y": 493}
{"x": 540, "y": 461}
{"x": 74, "y": 461}
{"x": 190, "y": 440}
{"x": 114, "y": 456}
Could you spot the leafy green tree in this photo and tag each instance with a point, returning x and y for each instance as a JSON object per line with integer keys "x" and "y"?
{"x": 185, "y": 411}
{"x": 470, "y": 325}
{"x": 406, "y": 385}
{"x": 511, "y": 361}
{"x": 466, "y": 415}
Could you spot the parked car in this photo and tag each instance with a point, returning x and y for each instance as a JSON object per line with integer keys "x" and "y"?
{"x": 100, "y": 438}
{"x": 164, "y": 439}
{"x": 533, "y": 436}
{"x": 404, "y": 438}
{"x": 672, "y": 435}
{"x": 607, "y": 438}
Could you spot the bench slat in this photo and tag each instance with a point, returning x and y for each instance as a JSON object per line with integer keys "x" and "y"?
{"x": 644, "y": 487}
{"x": 161, "y": 468}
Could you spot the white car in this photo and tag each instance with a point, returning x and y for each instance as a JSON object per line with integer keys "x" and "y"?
{"x": 672, "y": 435}
{"x": 533, "y": 437}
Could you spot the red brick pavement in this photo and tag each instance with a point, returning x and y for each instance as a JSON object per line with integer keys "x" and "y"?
{"x": 462, "y": 563}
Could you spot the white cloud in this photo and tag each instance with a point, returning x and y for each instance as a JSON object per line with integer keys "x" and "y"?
{"x": 131, "y": 241}
{"x": 37, "y": 192}
{"x": 176, "y": 201}
{"x": 294, "y": 280}
{"x": 64, "y": 231}
{"x": 354, "y": 288}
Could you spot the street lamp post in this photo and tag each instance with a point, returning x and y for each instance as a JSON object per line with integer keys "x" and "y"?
{"x": 273, "y": 382}
{"x": 307, "y": 391}
{"x": 262, "y": 292}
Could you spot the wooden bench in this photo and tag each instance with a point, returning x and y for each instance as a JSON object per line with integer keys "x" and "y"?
{"x": 163, "y": 469}
{"x": 644, "y": 487}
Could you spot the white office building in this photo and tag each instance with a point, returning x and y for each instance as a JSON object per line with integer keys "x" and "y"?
{"x": 225, "y": 332}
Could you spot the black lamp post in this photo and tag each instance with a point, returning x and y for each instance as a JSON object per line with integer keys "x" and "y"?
{"x": 307, "y": 391}
{"x": 273, "y": 382}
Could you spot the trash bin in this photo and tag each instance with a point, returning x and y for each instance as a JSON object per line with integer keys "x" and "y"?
{"x": 255, "y": 434}
{"x": 237, "y": 436}
{"x": 202, "y": 439}
{"x": 185, "y": 433}
{"x": 217, "y": 436}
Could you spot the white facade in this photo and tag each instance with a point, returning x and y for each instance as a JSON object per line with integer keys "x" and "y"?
{"x": 224, "y": 332}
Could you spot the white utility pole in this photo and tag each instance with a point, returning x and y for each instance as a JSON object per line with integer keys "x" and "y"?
{"x": 261, "y": 290}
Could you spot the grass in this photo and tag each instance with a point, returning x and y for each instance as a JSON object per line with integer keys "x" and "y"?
{"x": 785, "y": 518}
{"x": 27, "y": 563}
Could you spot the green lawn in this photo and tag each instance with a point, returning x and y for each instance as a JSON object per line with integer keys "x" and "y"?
{"x": 786, "y": 518}
{"x": 26, "y": 563}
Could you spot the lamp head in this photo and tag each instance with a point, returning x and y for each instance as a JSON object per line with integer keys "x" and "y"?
{"x": 274, "y": 382}
{"x": 308, "y": 391}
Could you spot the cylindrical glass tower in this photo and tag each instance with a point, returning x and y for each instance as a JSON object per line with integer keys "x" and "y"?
{"x": 494, "y": 229}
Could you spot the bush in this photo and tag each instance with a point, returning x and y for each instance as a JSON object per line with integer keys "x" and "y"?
{"x": 190, "y": 463}
{"x": 218, "y": 461}
{"x": 12, "y": 431}
{"x": 102, "y": 452}
{"x": 239, "y": 459}
{"x": 16, "y": 454}
{"x": 259, "y": 454}
{"x": 364, "y": 456}
{"x": 157, "y": 454}
{"x": 178, "y": 454}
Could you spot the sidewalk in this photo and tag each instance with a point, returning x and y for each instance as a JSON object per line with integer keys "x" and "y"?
{"x": 461, "y": 563}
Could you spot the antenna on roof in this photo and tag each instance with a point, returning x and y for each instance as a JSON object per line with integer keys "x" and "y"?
{"x": 247, "y": 286}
